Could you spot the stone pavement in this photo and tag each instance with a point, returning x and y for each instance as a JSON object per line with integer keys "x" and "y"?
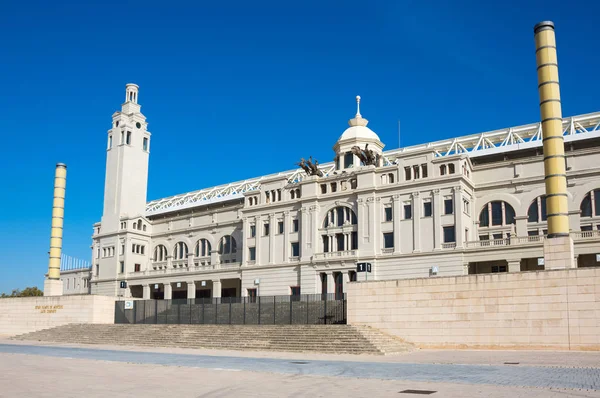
{"x": 30, "y": 370}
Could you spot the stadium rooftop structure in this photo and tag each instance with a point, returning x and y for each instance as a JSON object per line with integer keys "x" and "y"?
{"x": 575, "y": 128}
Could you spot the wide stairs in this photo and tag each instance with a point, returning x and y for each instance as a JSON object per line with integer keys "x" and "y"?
{"x": 329, "y": 339}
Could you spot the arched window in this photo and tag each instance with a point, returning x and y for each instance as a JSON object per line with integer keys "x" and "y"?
{"x": 339, "y": 216}
{"x": 590, "y": 205}
{"x": 293, "y": 194}
{"x": 451, "y": 168}
{"x": 144, "y": 227}
{"x": 537, "y": 210}
{"x": 297, "y": 193}
{"x": 160, "y": 253}
{"x": 227, "y": 245}
{"x": 181, "y": 251}
{"x": 443, "y": 170}
{"x": 202, "y": 248}
{"x": 391, "y": 178}
{"x": 139, "y": 225}
{"x": 496, "y": 213}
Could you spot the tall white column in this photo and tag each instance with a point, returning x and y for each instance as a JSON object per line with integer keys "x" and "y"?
{"x": 346, "y": 280}
{"x": 168, "y": 291}
{"x": 459, "y": 231}
{"x": 191, "y": 290}
{"x": 330, "y": 283}
{"x": 257, "y": 238}
{"x": 245, "y": 236}
{"x": 437, "y": 219}
{"x": 305, "y": 253}
{"x": 416, "y": 222}
{"x": 190, "y": 258}
{"x": 287, "y": 228}
{"x": 272, "y": 231}
{"x": 397, "y": 216}
{"x": 216, "y": 289}
{"x": 373, "y": 222}
{"x": 146, "y": 292}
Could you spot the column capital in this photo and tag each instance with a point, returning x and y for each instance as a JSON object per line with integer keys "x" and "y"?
{"x": 414, "y": 195}
{"x": 286, "y": 213}
{"x": 396, "y": 197}
{"x": 191, "y": 283}
{"x": 457, "y": 188}
{"x": 436, "y": 191}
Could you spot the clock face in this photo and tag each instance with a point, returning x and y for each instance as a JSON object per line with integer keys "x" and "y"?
{"x": 138, "y": 125}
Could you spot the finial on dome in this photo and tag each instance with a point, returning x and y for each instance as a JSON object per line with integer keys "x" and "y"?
{"x": 358, "y": 120}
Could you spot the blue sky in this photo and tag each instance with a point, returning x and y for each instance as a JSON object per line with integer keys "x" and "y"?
{"x": 237, "y": 89}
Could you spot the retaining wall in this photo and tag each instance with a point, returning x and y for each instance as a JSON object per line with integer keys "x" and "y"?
{"x": 555, "y": 309}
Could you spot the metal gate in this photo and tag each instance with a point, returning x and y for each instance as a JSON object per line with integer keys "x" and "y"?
{"x": 306, "y": 309}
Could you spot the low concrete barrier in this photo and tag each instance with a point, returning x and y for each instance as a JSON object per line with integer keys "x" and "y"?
{"x": 28, "y": 314}
{"x": 555, "y": 309}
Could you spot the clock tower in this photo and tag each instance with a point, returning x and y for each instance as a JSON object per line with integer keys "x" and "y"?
{"x": 127, "y": 154}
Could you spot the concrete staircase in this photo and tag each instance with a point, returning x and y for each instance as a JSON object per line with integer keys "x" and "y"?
{"x": 330, "y": 339}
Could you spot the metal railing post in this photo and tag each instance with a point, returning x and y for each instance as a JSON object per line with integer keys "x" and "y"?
{"x": 244, "y": 298}
{"x": 274, "y": 312}
{"x": 325, "y": 314}
{"x": 258, "y": 310}
{"x": 307, "y": 305}
{"x": 230, "y": 310}
{"x": 156, "y": 311}
{"x": 291, "y": 310}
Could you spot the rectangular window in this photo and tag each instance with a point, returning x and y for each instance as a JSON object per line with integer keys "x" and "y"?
{"x": 333, "y": 187}
{"x": 137, "y": 268}
{"x": 128, "y": 142}
{"x": 448, "y": 206}
{"x": 295, "y": 249}
{"x": 252, "y": 231}
{"x": 388, "y": 240}
{"x": 252, "y": 253}
{"x": 109, "y": 141}
{"x": 427, "y": 209}
{"x": 407, "y": 173}
{"x": 266, "y": 229}
{"x": 280, "y": 227}
{"x": 424, "y": 171}
{"x": 122, "y": 267}
{"x": 340, "y": 242}
{"x": 416, "y": 172}
{"x": 122, "y": 137}
{"x": 251, "y": 295}
{"x": 133, "y": 248}
{"x": 348, "y": 160}
{"x": 388, "y": 213}
{"x": 122, "y": 250}
{"x": 142, "y": 249}
{"x": 484, "y": 237}
{"x": 497, "y": 236}
{"x": 498, "y": 268}
{"x": 533, "y": 232}
{"x": 98, "y": 253}
{"x": 295, "y": 225}
{"x": 145, "y": 144}
{"x": 587, "y": 228}
{"x": 323, "y": 188}
{"x": 449, "y": 235}
{"x": 325, "y": 243}
{"x": 407, "y": 212}
{"x": 354, "y": 242}
{"x": 295, "y": 290}
{"x": 97, "y": 269}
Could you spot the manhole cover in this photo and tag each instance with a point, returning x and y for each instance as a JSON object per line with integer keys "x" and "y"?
{"x": 299, "y": 362}
{"x": 419, "y": 392}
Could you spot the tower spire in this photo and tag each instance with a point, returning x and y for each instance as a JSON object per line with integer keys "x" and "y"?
{"x": 358, "y": 120}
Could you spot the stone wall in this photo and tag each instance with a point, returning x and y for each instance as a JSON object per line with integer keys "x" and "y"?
{"x": 556, "y": 309}
{"x": 28, "y": 314}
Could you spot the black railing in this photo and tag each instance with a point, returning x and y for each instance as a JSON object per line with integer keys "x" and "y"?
{"x": 306, "y": 309}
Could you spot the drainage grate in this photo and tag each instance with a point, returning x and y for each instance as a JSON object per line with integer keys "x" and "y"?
{"x": 299, "y": 362}
{"x": 419, "y": 392}
{"x": 511, "y": 363}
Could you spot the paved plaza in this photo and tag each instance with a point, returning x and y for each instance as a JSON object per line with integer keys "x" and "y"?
{"x": 36, "y": 370}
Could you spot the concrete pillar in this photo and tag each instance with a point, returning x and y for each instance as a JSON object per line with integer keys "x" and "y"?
{"x": 521, "y": 225}
{"x": 191, "y": 290}
{"x": 514, "y": 265}
{"x": 216, "y": 289}
{"x": 272, "y": 232}
{"x": 168, "y": 291}
{"x": 330, "y": 283}
{"x": 287, "y": 228}
{"x": 190, "y": 259}
{"x": 397, "y": 217}
{"x": 416, "y": 222}
{"x": 559, "y": 253}
{"x": 146, "y": 292}
{"x": 169, "y": 261}
{"x": 436, "y": 208}
{"x": 346, "y": 279}
{"x": 257, "y": 240}
{"x": 459, "y": 229}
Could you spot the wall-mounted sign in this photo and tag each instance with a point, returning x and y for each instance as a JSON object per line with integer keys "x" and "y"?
{"x": 178, "y": 284}
{"x": 257, "y": 281}
{"x": 155, "y": 286}
{"x": 128, "y": 304}
{"x": 203, "y": 283}
{"x": 123, "y": 284}
{"x": 541, "y": 261}
{"x": 363, "y": 267}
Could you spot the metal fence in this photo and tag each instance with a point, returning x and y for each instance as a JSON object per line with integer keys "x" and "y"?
{"x": 306, "y": 309}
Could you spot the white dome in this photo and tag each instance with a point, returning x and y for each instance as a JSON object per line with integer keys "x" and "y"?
{"x": 359, "y": 132}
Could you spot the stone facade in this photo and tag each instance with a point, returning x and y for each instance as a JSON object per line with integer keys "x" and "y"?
{"x": 555, "y": 309}
{"x": 454, "y": 207}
